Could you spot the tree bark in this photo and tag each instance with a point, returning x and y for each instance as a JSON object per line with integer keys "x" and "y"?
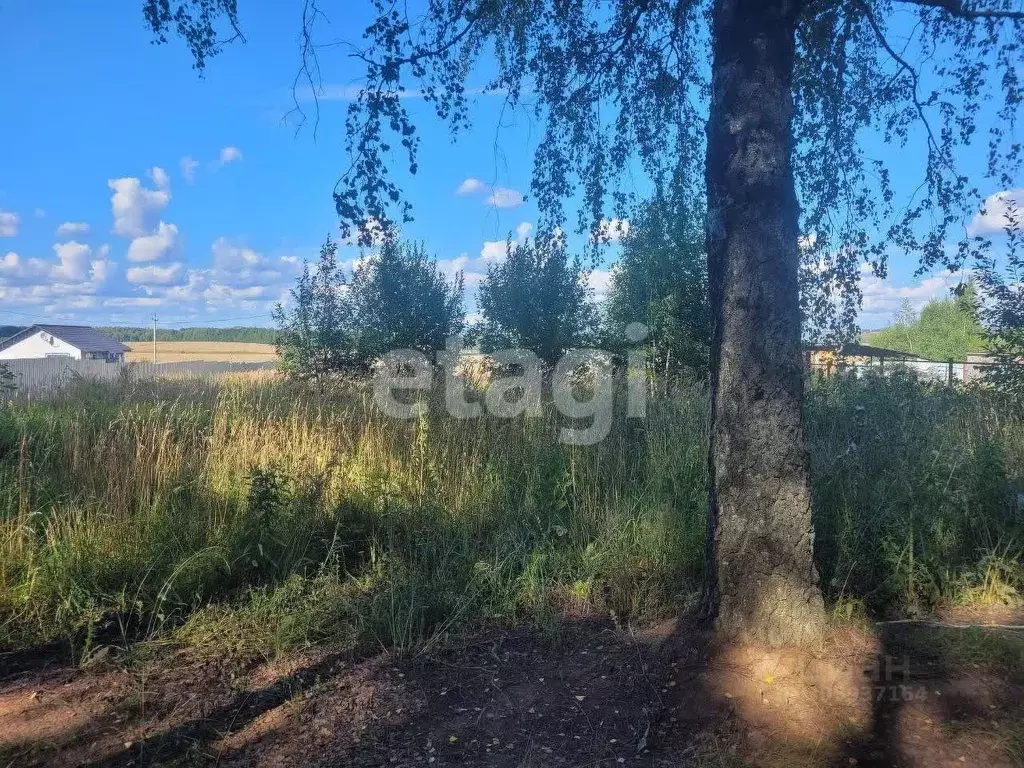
{"x": 761, "y": 583}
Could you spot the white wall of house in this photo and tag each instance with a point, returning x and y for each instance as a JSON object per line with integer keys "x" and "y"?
{"x": 36, "y": 346}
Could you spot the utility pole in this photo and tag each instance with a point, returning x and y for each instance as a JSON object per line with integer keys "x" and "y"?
{"x": 154, "y": 336}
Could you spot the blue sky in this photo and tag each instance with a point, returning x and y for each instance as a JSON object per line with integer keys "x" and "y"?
{"x": 128, "y": 185}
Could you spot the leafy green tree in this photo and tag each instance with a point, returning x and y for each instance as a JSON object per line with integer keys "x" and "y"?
{"x": 402, "y": 301}
{"x": 763, "y": 102}
{"x": 907, "y": 316}
{"x": 317, "y": 333}
{"x": 946, "y": 329}
{"x": 396, "y": 299}
{"x": 1002, "y": 281}
{"x": 537, "y": 299}
{"x": 661, "y": 280}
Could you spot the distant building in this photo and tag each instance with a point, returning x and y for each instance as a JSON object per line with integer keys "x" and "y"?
{"x": 826, "y": 360}
{"x": 78, "y": 342}
{"x": 856, "y": 358}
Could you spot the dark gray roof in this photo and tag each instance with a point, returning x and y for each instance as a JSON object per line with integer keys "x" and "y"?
{"x": 79, "y": 336}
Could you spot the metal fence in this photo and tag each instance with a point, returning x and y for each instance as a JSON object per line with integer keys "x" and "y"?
{"x": 950, "y": 372}
{"x": 32, "y": 377}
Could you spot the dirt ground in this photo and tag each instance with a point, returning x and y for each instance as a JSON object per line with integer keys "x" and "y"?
{"x": 582, "y": 696}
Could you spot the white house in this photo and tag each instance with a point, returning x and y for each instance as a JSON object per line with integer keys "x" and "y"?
{"x": 79, "y": 342}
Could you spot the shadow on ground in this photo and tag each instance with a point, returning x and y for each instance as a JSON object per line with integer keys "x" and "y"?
{"x": 584, "y": 694}
{"x": 944, "y": 696}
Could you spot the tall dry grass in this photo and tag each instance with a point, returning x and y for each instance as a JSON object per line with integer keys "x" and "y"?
{"x": 258, "y": 515}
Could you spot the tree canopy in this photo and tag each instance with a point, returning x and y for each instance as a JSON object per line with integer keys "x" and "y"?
{"x": 946, "y": 329}
{"x": 661, "y": 280}
{"x": 536, "y": 299}
{"x": 402, "y": 301}
{"x": 394, "y": 299}
{"x": 1002, "y": 310}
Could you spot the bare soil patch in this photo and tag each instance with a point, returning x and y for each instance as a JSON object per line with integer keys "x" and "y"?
{"x": 584, "y": 694}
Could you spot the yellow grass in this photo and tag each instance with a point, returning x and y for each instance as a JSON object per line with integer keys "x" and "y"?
{"x": 188, "y": 351}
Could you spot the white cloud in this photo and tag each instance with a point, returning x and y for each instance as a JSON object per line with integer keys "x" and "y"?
{"x": 600, "y": 281}
{"x": 238, "y": 265}
{"x": 499, "y": 197}
{"x": 76, "y": 270}
{"x": 355, "y": 264}
{"x": 155, "y": 274}
{"x": 162, "y": 243}
{"x": 133, "y": 301}
{"x": 218, "y": 293}
{"x": 10, "y": 264}
{"x": 372, "y": 227}
{"x": 72, "y": 302}
{"x": 451, "y": 266}
{"x": 470, "y": 186}
{"x": 883, "y": 299}
{"x": 102, "y": 269}
{"x": 72, "y": 228}
{"x": 230, "y": 155}
{"x": 134, "y": 207}
{"x": 188, "y": 166}
{"x": 610, "y": 231}
{"x": 204, "y": 290}
{"x": 9, "y": 223}
{"x": 494, "y": 251}
{"x": 994, "y": 216}
{"x": 159, "y": 177}
{"x": 470, "y": 268}
{"x": 233, "y": 257}
{"x": 503, "y": 197}
{"x": 74, "y": 261}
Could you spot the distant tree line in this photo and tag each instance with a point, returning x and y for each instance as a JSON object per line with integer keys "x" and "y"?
{"x": 238, "y": 333}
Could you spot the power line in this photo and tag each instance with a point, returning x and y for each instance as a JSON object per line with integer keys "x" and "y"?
{"x": 21, "y": 314}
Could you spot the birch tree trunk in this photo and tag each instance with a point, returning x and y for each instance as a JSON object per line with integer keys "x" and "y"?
{"x": 761, "y": 583}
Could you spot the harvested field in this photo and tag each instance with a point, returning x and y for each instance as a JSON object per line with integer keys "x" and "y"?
{"x": 189, "y": 351}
